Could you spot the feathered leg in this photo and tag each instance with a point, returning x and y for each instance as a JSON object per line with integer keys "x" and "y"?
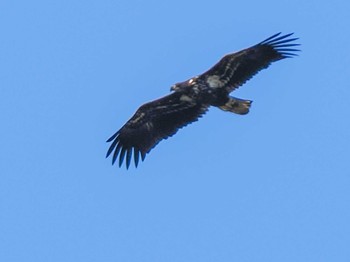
{"x": 236, "y": 105}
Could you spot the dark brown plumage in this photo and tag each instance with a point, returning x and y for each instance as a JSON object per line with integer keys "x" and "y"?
{"x": 190, "y": 99}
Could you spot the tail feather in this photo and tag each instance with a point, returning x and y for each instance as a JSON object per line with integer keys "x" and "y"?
{"x": 237, "y": 106}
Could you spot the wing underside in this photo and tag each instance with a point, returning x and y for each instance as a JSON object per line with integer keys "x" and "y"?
{"x": 233, "y": 70}
{"x": 152, "y": 123}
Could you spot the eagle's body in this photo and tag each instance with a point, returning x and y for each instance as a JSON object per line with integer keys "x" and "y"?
{"x": 162, "y": 118}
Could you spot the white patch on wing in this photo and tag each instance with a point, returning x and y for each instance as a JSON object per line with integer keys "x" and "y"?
{"x": 185, "y": 98}
{"x": 214, "y": 81}
{"x": 149, "y": 125}
{"x": 192, "y": 81}
{"x": 162, "y": 107}
{"x": 137, "y": 117}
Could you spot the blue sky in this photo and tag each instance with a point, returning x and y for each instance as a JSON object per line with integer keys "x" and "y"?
{"x": 269, "y": 186}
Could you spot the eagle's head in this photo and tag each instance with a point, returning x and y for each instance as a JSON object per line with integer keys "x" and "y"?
{"x": 183, "y": 86}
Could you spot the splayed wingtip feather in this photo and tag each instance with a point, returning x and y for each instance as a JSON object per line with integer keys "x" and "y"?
{"x": 112, "y": 137}
{"x": 271, "y": 37}
{"x": 116, "y": 152}
{"x": 112, "y": 146}
{"x": 121, "y": 156}
{"x": 136, "y": 156}
{"x": 128, "y": 157}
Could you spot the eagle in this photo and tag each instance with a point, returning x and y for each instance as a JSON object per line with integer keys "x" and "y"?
{"x": 191, "y": 99}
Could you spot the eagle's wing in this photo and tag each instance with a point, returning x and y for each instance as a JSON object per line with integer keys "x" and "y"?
{"x": 151, "y": 123}
{"x": 235, "y": 69}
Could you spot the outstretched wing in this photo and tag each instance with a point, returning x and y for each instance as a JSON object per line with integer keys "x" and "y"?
{"x": 235, "y": 69}
{"x": 151, "y": 123}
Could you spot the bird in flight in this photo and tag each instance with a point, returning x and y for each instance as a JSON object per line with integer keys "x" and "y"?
{"x": 191, "y": 99}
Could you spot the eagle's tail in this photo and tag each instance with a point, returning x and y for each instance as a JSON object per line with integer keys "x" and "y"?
{"x": 236, "y": 105}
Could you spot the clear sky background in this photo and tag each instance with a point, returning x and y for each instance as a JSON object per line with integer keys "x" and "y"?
{"x": 269, "y": 186}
